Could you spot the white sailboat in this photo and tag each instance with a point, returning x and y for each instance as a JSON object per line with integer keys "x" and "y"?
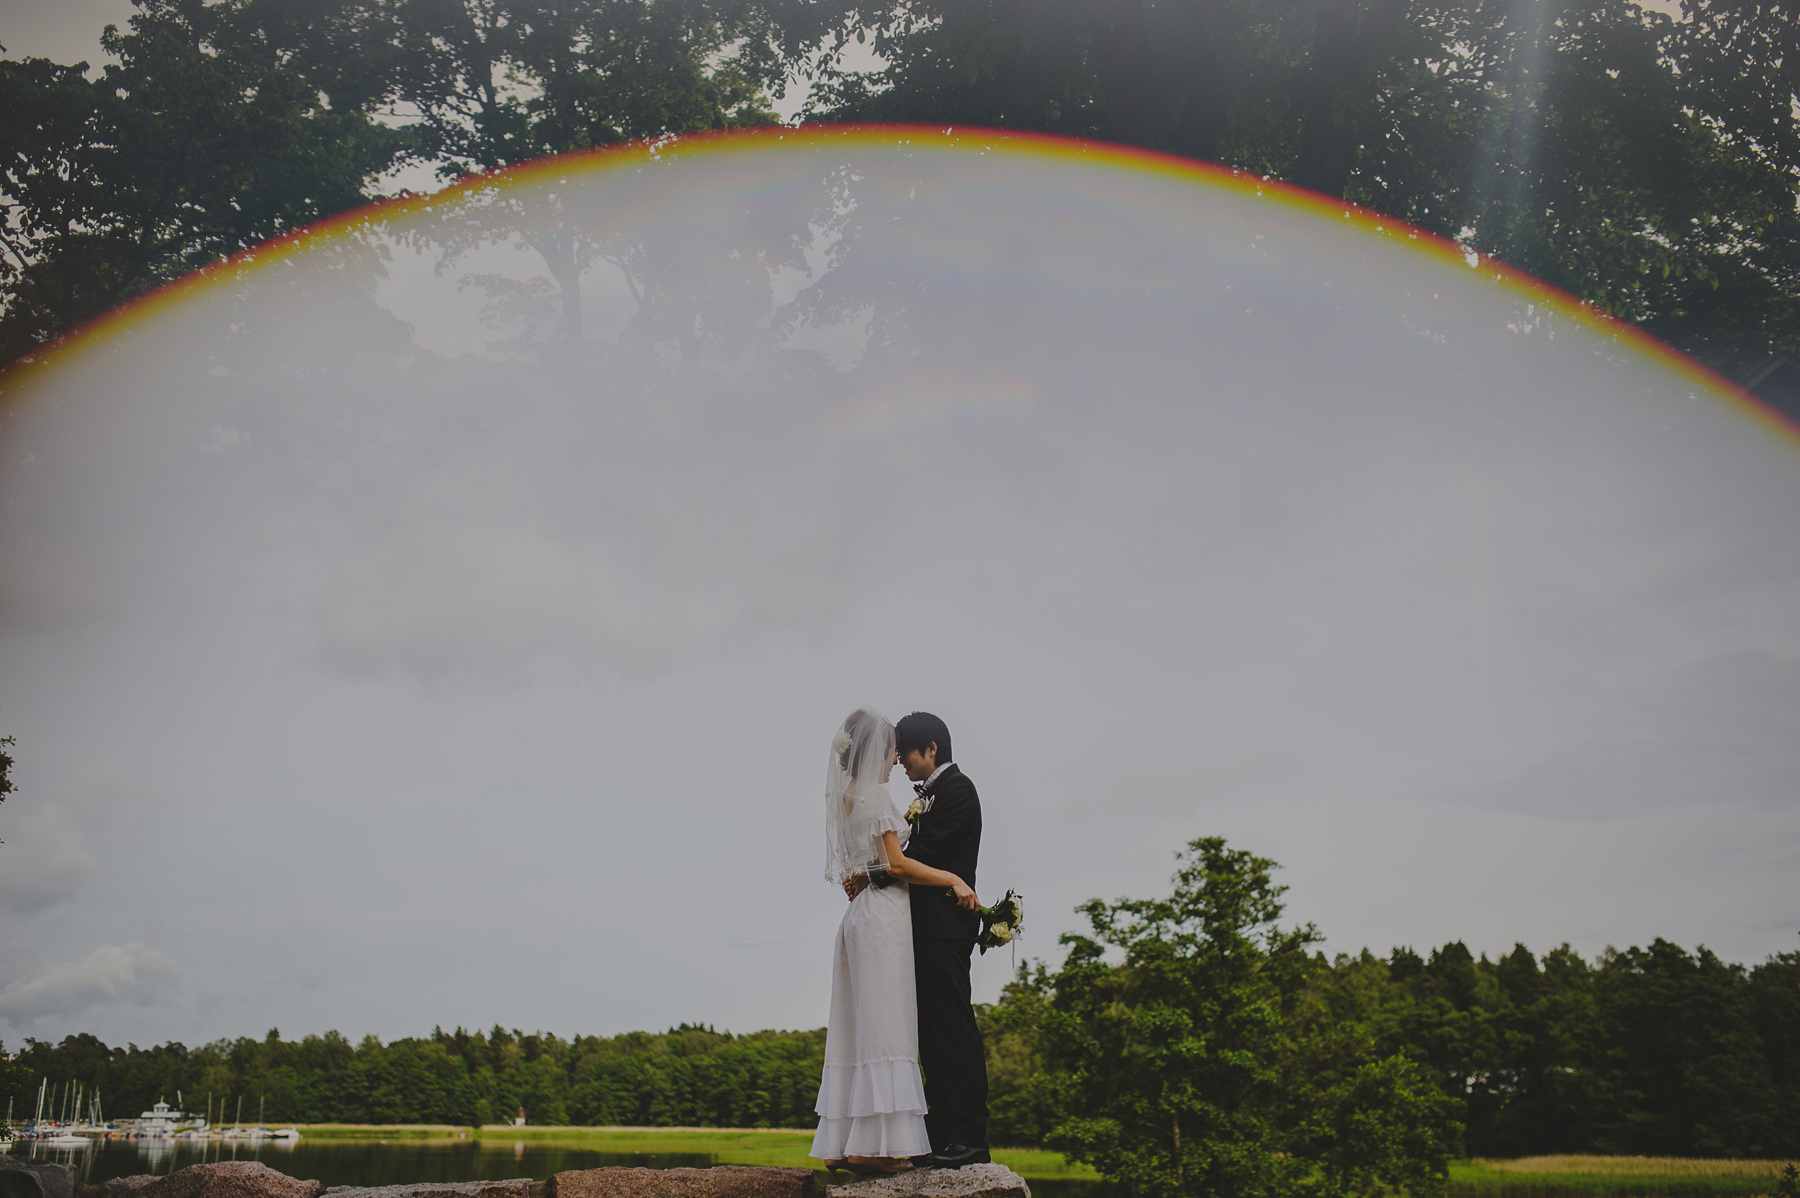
{"x": 261, "y": 1131}
{"x": 60, "y": 1138}
{"x": 52, "y": 1135}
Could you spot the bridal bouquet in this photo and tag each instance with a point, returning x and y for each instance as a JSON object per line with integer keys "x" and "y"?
{"x": 1002, "y": 922}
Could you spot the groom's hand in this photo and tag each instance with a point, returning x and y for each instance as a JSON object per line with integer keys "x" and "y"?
{"x": 854, "y": 885}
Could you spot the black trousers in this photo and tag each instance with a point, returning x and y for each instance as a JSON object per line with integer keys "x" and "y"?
{"x": 951, "y": 1054}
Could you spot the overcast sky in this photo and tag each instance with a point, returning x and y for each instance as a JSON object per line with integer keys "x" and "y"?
{"x": 377, "y": 662}
{"x": 63, "y": 30}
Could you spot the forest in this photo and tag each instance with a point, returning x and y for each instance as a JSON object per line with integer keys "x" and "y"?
{"x": 1200, "y": 1004}
{"x": 1643, "y": 159}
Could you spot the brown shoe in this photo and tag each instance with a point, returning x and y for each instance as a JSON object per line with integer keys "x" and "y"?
{"x": 878, "y": 1166}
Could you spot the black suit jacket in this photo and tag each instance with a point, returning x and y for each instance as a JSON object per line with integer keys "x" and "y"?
{"x": 948, "y": 838}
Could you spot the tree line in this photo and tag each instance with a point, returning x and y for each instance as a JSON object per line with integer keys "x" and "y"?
{"x": 1644, "y": 162}
{"x": 686, "y": 1077}
{"x": 1185, "y": 1044}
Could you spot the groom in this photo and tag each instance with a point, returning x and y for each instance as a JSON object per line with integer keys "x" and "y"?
{"x": 947, "y": 835}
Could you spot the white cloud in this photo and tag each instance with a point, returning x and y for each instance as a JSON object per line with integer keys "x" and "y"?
{"x": 490, "y": 598}
{"x": 43, "y": 861}
{"x": 1710, "y": 733}
{"x": 47, "y": 587}
{"x": 45, "y": 856}
{"x": 133, "y": 974}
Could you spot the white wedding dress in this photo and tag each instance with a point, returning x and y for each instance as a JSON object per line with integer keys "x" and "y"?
{"x": 871, "y": 1097}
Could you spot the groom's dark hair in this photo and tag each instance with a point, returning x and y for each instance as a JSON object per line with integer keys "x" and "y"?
{"x": 918, "y": 731}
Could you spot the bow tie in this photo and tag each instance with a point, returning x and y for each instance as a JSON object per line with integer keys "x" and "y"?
{"x": 919, "y": 788}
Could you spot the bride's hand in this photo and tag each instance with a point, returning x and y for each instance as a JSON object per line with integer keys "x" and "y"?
{"x": 965, "y": 897}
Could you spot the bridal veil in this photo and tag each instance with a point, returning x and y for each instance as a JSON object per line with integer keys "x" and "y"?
{"x": 857, "y": 806}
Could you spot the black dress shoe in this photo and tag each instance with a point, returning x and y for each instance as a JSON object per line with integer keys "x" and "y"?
{"x": 955, "y": 1156}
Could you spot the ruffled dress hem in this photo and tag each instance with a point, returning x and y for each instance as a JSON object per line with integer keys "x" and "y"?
{"x": 872, "y": 1108}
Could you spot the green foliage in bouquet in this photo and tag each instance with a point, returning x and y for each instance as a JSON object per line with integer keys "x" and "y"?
{"x": 1003, "y": 922}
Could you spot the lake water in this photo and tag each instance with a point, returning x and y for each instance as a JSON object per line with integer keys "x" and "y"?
{"x": 399, "y": 1162}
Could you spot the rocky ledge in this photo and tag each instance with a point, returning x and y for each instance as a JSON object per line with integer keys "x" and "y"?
{"x": 251, "y": 1179}
{"x": 970, "y": 1181}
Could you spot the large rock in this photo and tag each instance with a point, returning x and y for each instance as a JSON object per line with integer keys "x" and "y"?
{"x": 35, "y": 1179}
{"x": 118, "y": 1187}
{"x": 517, "y": 1187}
{"x": 721, "y": 1181}
{"x": 970, "y": 1181}
{"x": 222, "y": 1179}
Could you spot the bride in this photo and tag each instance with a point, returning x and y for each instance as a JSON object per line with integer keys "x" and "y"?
{"x": 871, "y": 1101}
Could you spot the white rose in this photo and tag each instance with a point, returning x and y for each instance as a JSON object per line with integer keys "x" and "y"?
{"x": 1001, "y": 933}
{"x": 840, "y": 743}
{"x": 915, "y": 809}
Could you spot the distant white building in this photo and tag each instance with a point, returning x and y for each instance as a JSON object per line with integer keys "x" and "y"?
{"x": 159, "y": 1120}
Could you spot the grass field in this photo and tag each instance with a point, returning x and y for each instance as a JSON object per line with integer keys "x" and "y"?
{"x": 731, "y": 1146}
{"x": 1576, "y": 1176}
{"x": 382, "y": 1131}
{"x": 1527, "y": 1177}
{"x": 1616, "y": 1177}
{"x": 752, "y": 1146}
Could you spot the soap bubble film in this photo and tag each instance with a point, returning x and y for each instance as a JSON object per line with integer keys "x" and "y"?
{"x": 492, "y": 569}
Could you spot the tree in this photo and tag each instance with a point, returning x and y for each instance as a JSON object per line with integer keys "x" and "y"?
{"x": 494, "y": 83}
{"x": 229, "y": 122}
{"x": 1025, "y": 1092}
{"x": 1385, "y": 1125}
{"x": 1739, "y": 61}
{"x": 6, "y": 764}
{"x": 51, "y": 254}
{"x": 1179, "y": 1058}
{"x": 1165, "y": 76}
{"x": 1774, "y": 1002}
{"x": 1641, "y": 163}
{"x": 497, "y": 82}
{"x": 1683, "y": 1066}
{"x": 206, "y": 137}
